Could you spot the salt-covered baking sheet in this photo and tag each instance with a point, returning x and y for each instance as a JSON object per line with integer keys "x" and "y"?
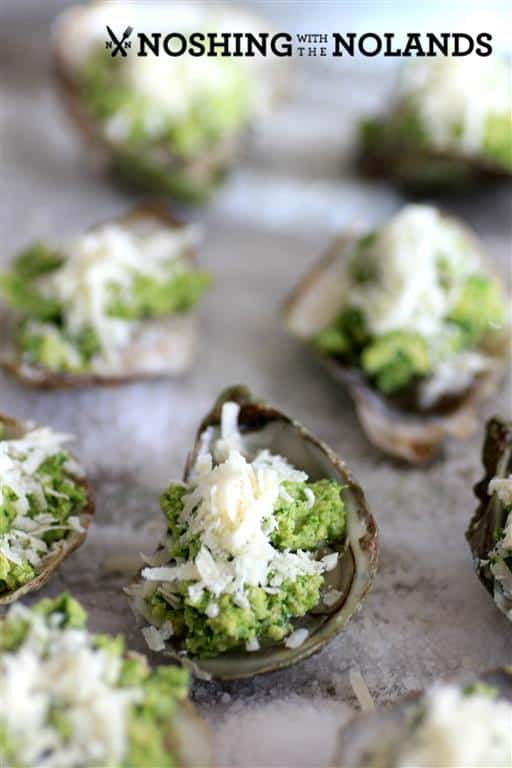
{"x": 427, "y": 615}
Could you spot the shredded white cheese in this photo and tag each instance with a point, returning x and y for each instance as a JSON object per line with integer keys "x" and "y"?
{"x": 421, "y": 260}
{"x": 60, "y": 668}
{"x": 153, "y": 638}
{"x": 455, "y": 96}
{"x": 330, "y": 561}
{"x": 331, "y": 598}
{"x": 109, "y": 255}
{"x": 502, "y": 487}
{"x": 171, "y": 88}
{"x": 460, "y": 730}
{"x": 407, "y": 294}
{"x": 212, "y": 610}
{"x": 454, "y": 375}
{"x": 20, "y": 461}
{"x": 253, "y": 645}
{"x": 361, "y": 690}
{"x": 296, "y": 638}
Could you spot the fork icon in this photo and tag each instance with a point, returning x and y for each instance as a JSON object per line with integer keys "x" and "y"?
{"x": 119, "y": 45}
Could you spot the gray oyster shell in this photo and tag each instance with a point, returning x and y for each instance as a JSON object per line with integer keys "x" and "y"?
{"x": 413, "y": 436}
{"x": 491, "y": 515}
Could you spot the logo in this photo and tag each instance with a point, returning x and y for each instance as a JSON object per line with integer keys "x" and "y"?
{"x": 250, "y": 44}
{"x": 117, "y": 45}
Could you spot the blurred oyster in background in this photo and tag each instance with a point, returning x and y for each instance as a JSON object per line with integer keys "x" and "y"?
{"x": 170, "y": 125}
{"x": 449, "y": 123}
{"x": 449, "y": 725}
{"x": 414, "y": 321}
{"x": 72, "y": 698}
{"x": 117, "y": 303}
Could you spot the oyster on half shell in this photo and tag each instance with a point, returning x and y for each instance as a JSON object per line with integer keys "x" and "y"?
{"x": 398, "y": 423}
{"x": 151, "y": 720}
{"x": 12, "y": 429}
{"x": 376, "y": 739}
{"x": 448, "y": 126}
{"x": 489, "y": 530}
{"x": 185, "y": 119}
{"x": 262, "y": 427}
{"x": 163, "y": 345}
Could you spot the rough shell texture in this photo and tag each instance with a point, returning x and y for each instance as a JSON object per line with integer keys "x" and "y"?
{"x": 163, "y": 347}
{"x": 78, "y": 27}
{"x": 491, "y": 515}
{"x": 367, "y": 734}
{"x": 14, "y": 429}
{"x": 412, "y": 436}
{"x": 265, "y": 427}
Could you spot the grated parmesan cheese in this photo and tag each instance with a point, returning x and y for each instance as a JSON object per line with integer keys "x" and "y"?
{"x": 361, "y": 690}
{"x": 20, "y": 460}
{"x": 109, "y": 255}
{"x": 457, "y": 729}
{"x": 61, "y": 668}
{"x": 297, "y": 638}
{"x": 419, "y": 300}
{"x": 463, "y": 93}
{"x": 412, "y": 299}
{"x": 502, "y": 487}
{"x": 154, "y": 638}
{"x": 253, "y": 645}
{"x": 331, "y": 597}
{"x": 212, "y": 610}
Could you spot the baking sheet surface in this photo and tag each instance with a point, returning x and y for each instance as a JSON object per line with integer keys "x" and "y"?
{"x": 427, "y": 615}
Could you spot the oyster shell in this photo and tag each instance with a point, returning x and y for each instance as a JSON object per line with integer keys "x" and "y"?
{"x": 413, "y": 436}
{"x": 265, "y": 427}
{"x": 428, "y": 169}
{"x": 491, "y": 514}
{"x": 161, "y": 347}
{"x": 15, "y": 429}
{"x": 439, "y": 129}
{"x": 159, "y": 171}
{"x": 365, "y": 733}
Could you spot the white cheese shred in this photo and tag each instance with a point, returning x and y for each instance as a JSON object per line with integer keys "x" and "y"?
{"x": 361, "y": 690}
{"x": 297, "y": 638}
{"x": 58, "y": 668}
{"x": 20, "y": 461}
